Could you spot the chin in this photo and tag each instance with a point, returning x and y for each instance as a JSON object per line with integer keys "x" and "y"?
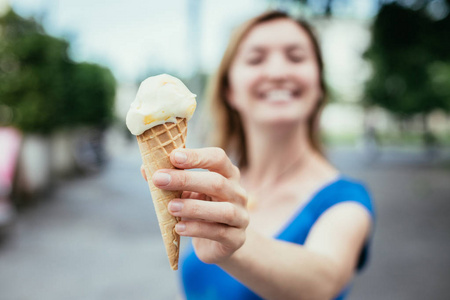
{"x": 283, "y": 121}
{"x": 293, "y": 112}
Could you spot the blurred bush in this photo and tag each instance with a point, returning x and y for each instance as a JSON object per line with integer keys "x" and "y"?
{"x": 410, "y": 57}
{"x": 41, "y": 88}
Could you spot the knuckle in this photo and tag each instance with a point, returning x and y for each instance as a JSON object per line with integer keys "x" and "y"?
{"x": 245, "y": 219}
{"x": 219, "y": 152}
{"x": 193, "y": 209}
{"x": 182, "y": 178}
{"x": 238, "y": 239}
{"x": 194, "y": 158}
{"x": 230, "y": 214}
{"x": 218, "y": 185}
{"x": 191, "y": 228}
{"x": 222, "y": 232}
{"x": 237, "y": 172}
{"x": 241, "y": 239}
{"x": 241, "y": 195}
{"x": 220, "y": 155}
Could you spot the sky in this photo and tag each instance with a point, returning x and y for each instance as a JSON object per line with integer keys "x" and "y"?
{"x": 134, "y": 36}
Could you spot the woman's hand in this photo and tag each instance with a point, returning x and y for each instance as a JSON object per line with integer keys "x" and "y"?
{"x": 213, "y": 205}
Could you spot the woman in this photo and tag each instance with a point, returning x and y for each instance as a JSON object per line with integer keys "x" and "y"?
{"x": 285, "y": 224}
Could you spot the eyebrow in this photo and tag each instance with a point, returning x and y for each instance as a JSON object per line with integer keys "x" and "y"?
{"x": 256, "y": 49}
{"x": 295, "y": 47}
{"x": 289, "y": 47}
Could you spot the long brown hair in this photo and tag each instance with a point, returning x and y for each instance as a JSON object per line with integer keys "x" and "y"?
{"x": 229, "y": 133}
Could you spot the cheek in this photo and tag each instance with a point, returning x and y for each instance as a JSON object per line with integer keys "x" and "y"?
{"x": 242, "y": 78}
{"x": 241, "y": 81}
{"x": 310, "y": 75}
{"x": 310, "y": 79}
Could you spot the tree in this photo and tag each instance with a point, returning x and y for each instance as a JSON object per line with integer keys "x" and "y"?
{"x": 42, "y": 86}
{"x": 92, "y": 89}
{"x": 410, "y": 58}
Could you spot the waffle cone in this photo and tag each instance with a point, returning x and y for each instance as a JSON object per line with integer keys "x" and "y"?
{"x": 155, "y": 145}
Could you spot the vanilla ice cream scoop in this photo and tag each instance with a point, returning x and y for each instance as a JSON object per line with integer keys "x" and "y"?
{"x": 160, "y": 99}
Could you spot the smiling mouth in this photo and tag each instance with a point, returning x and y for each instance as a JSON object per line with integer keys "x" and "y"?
{"x": 279, "y": 95}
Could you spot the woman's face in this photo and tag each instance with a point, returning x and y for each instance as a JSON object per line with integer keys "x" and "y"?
{"x": 274, "y": 78}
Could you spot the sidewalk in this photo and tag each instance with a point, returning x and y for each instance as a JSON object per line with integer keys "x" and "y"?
{"x": 93, "y": 238}
{"x": 411, "y": 251}
{"x": 97, "y": 237}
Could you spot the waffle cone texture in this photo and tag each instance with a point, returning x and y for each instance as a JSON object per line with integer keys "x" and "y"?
{"x": 155, "y": 146}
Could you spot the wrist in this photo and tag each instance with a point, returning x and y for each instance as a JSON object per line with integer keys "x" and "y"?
{"x": 241, "y": 257}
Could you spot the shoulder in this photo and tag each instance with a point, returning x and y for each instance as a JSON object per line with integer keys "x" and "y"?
{"x": 345, "y": 212}
{"x": 350, "y": 186}
{"x": 347, "y": 189}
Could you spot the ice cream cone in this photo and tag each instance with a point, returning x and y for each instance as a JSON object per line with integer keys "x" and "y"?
{"x": 155, "y": 145}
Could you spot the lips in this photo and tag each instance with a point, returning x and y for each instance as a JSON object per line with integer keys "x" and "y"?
{"x": 279, "y": 95}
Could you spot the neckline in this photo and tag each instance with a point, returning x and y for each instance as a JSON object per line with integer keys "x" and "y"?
{"x": 300, "y": 207}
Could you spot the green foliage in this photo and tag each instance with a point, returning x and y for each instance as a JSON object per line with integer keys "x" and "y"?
{"x": 42, "y": 86}
{"x": 410, "y": 56}
{"x": 90, "y": 92}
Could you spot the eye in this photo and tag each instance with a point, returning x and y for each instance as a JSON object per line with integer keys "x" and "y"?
{"x": 254, "y": 56}
{"x": 296, "y": 56}
{"x": 254, "y": 59}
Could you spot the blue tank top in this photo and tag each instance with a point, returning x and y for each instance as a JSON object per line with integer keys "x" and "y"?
{"x": 206, "y": 281}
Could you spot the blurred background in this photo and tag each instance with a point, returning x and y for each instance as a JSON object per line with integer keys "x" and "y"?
{"x": 76, "y": 219}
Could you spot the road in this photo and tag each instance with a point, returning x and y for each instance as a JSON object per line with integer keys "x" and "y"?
{"x": 96, "y": 237}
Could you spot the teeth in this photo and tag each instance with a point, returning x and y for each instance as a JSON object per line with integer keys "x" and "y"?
{"x": 278, "y": 95}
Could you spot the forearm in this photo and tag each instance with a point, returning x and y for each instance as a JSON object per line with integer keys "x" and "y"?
{"x": 279, "y": 270}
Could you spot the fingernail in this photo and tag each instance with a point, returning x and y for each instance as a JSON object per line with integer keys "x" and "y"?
{"x": 161, "y": 178}
{"x": 180, "y": 227}
{"x": 180, "y": 157}
{"x": 175, "y": 206}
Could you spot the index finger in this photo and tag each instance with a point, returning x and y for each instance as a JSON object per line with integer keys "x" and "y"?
{"x": 213, "y": 159}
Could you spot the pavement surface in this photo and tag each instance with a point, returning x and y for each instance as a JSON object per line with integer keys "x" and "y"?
{"x": 96, "y": 237}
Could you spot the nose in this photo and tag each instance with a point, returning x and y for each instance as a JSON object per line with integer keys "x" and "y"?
{"x": 276, "y": 67}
